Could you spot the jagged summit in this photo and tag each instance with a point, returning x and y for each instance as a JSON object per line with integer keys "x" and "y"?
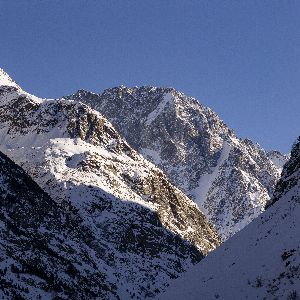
{"x": 122, "y": 90}
{"x": 230, "y": 179}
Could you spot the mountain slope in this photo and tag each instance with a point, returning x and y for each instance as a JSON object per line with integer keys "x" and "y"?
{"x": 230, "y": 179}
{"x": 260, "y": 262}
{"x": 44, "y": 251}
{"x": 145, "y": 229}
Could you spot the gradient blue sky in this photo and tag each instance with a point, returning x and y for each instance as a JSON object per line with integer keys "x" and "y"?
{"x": 241, "y": 58}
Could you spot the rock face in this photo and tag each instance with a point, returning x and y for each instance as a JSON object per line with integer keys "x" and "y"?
{"x": 144, "y": 230}
{"x": 260, "y": 262}
{"x": 228, "y": 178}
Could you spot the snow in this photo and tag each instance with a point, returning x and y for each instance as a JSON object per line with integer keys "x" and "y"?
{"x": 153, "y": 154}
{"x": 206, "y": 181}
{"x": 159, "y": 109}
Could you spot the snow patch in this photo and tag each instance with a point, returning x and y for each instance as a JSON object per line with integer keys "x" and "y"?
{"x": 200, "y": 193}
{"x": 159, "y": 109}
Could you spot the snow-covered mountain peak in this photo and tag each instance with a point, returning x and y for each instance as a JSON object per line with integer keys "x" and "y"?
{"x": 10, "y": 90}
{"x": 5, "y": 80}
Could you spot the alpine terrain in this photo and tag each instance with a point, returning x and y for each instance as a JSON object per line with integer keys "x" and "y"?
{"x": 141, "y": 230}
{"x": 230, "y": 179}
{"x": 260, "y": 262}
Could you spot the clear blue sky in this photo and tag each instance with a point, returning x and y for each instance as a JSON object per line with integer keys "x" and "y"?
{"x": 241, "y": 58}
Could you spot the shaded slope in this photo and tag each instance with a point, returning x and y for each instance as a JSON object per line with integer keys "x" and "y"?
{"x": 260, "y": 262}
{"x": 44, "y": 251}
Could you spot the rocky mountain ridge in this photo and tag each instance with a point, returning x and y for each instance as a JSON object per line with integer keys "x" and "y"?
{"x": 230, "y": 179}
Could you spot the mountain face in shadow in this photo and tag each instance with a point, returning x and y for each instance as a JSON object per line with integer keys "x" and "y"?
{"x": 44, "y": 249}
{"x": 260, "y": 262}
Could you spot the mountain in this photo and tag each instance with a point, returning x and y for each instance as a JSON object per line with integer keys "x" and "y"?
{"x": 230, "y": 179}
{"x": 145, "y": 230}
{"x": 260, "y": 262}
